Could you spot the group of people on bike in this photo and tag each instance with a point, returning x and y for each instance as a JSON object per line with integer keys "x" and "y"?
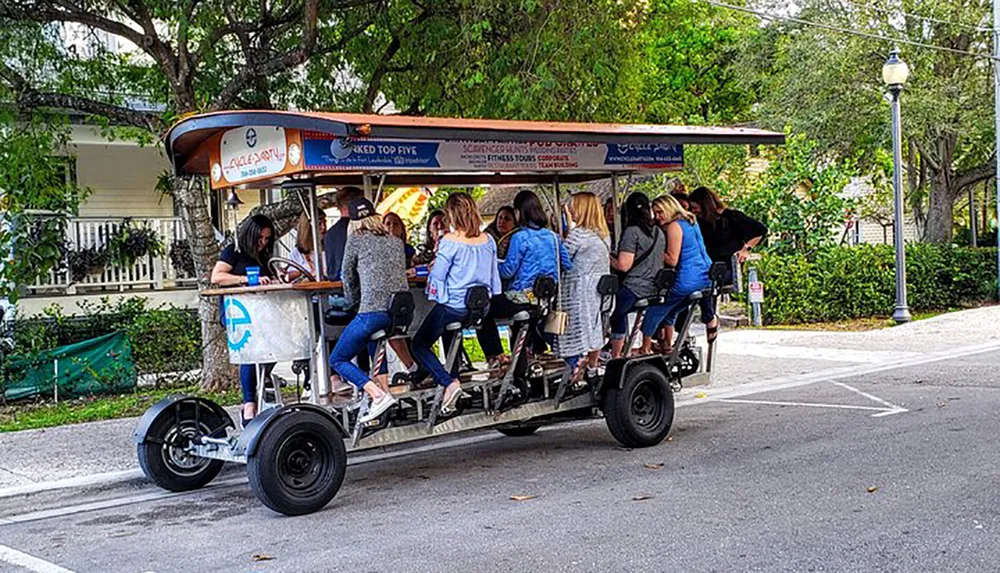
{"x": 368, "y": 252}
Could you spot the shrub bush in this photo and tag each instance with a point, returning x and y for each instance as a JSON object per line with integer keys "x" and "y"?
{"x": 165, "y": 339}
{"x": 839, "y": 283}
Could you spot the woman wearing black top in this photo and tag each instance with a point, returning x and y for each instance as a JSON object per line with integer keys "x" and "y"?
{"x": 255, "y": 240}
{"x": 726, "y": 231}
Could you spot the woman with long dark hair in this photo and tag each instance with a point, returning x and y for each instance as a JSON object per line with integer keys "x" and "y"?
{"x": 534, "y": 251}
{"x": 254, "y": 243}
{"x": 640, "y": 257}
{"x": 727, "y": 232}
{"x": 501, "y": 229}
{"x": 437, "y": 226}
{"x": 253, "y": 247}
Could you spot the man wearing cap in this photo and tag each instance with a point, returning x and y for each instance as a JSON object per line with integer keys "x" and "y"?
{"x": 336, "y": 236}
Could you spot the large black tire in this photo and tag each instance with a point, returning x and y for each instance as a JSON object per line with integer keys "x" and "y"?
{"x": 518, "y": 430}
{"x": 640, "y": 413}
{"x": 299, "y": 464}
{"x": 162, "y": 457}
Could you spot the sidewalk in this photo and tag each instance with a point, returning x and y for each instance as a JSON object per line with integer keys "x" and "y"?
{"x": 35, "y": 457}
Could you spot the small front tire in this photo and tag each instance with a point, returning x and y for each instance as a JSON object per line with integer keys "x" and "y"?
{"x": 162, "y": 454}
{"x": 299, "y": 464}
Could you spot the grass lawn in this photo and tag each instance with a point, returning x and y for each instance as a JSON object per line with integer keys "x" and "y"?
{"x": 857, "y": 324}
{"x": 46, "y": 413}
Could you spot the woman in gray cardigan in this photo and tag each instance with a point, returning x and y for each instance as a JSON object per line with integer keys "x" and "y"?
{"x": 374, "y": 268}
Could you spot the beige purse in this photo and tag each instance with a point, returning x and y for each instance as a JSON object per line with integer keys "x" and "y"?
{"x": 558, "y": 320}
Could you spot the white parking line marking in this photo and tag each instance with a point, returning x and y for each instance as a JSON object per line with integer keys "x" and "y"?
{"x": 887, "y": 409}
{"x": 890, "y": 405}
{"x": 29, "y": 562}
{"x": 799, "y": 380}
{"x": 807, "y": 405}
{"x": 890, "y": 412}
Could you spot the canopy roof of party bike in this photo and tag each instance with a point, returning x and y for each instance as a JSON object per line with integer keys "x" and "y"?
{"x": 259, "y": 148}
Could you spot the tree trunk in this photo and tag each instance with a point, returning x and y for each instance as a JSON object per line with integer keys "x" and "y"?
{"x": 940, "y": 216}
{"x": 216, "y": 372}
{"x": 285, "y": 214}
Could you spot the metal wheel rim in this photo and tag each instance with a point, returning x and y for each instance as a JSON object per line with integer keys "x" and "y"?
{"x": 302, "y": 460}
{"x": 174, "y": 451}
{"x": 646, "y": 407}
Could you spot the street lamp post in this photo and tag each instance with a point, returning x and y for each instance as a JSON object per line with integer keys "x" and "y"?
{"x": 894, "y": 74}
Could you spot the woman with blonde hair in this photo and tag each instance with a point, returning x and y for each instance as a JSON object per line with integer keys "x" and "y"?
{"x": 466, "y": 257}
{"x": 302, "y": 253}
{"x": 587, "y": 245}
{"x": 686, "y": 253}
{"x": 374, "y": 268}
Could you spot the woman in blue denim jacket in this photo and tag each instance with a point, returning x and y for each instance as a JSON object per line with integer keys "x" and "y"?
{"x": 532, "y": 253}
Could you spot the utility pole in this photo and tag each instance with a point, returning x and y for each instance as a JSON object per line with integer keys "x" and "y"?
{"x": 974, "y": 241}
{"x": 996, "y": 125}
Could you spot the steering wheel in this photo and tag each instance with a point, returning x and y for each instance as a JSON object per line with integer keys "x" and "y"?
{"x": 275, "y": 261}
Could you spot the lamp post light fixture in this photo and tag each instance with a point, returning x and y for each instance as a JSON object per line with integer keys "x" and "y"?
{"x": 233, "y": 201}
{"x": 894, "y": 75}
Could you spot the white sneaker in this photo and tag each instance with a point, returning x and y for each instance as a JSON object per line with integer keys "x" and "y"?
{"x": 377, "y": 407}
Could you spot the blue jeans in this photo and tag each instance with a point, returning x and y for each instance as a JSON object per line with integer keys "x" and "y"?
{"x": 666, "y": 314}
{"x": 624, "y": 301}
{"x": 248, "y": 380}
{"x": 353, "y": 342}
{"x": 431, "y": 330}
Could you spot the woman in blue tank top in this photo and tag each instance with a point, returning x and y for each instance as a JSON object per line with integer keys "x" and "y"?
{"x": 687, "y": 254}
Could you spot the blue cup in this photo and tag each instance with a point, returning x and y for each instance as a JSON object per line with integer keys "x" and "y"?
{"x": 253, "y": 276}
{"x": 421, "y": 271}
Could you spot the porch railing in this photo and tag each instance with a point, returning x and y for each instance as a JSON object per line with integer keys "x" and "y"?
{"x": 150, "y": 272}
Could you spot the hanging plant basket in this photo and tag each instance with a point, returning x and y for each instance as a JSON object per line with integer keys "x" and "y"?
{"x": 89, "y": 261}
{"x": 182, "y": 259}
{"x": 130, "y": 243}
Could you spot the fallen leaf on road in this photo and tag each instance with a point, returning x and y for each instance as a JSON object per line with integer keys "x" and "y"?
{"x": 652, "y": 466}
{"x": 942, "y": 404}
{"x": 641, "y": 497}
{"x": 701, "y": 395}
{"x": 260, "y": 557}
{"x": 522, "y": 497}
{"x": 873, "y": 489}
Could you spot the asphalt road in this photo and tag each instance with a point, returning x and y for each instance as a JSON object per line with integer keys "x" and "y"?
{"x": 819, "y": 477}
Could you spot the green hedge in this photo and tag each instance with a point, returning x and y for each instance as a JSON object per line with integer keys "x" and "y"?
{"x": 857, "y": 282}
{"x": 165, "y": 339}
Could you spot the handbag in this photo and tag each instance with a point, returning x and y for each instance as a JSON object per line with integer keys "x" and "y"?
{"x": 557, "y": 321}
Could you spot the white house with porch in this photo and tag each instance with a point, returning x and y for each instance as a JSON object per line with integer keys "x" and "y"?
{"x": 122, "y": 176}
